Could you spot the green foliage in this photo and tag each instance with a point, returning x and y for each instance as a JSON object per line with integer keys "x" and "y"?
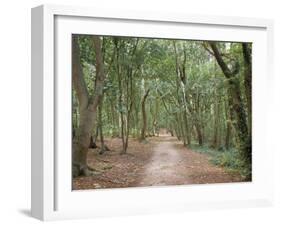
{"x": 228, "y": 159}
{"x": 189, "y": 93}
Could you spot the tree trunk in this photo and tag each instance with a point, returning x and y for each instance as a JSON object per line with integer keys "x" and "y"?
{"x": 199, "y": 133}
{"x": 129, "y": 105}
{"x": 87, "y": 105}
{"x": 248, "y": 82}
{"x": 102, "y": 148}
{"x": 229, "y": 121}
{"x": 155, "y": 114}
{"x": 216, "y": 123}
{"x": 245, "y": 146}
{"x": 127, "y": 130}
{"x": 187, "y": 129}
{"x": 198, "y": 120}
{"x": 120, "y": 96}
{"x": 180, "y": 71}
{"x": 144, "y": 123}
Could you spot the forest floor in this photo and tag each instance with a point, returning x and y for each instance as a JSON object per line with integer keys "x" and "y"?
{"x": 158, "y": 161}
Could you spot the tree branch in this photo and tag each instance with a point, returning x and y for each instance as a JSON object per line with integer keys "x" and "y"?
{"x": 77, "y": 75}
{"x": 100, "y": 75}
{"x": 226, "y": 70}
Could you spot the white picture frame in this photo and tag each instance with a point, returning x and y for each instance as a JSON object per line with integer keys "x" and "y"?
{"x": 52, "y": 197}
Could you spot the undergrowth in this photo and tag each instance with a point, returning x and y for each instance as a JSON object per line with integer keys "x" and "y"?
{"x": 229, "y": 159}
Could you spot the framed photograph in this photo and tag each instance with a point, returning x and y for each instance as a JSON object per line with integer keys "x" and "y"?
{"x": 143, "y": 112}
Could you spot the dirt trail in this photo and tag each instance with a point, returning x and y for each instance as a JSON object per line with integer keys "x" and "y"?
{"x": 172, "y": 164}
{"x": 162, "y": 168}
{"x": 161, "y": 161}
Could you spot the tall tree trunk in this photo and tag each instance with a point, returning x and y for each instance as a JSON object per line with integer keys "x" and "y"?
{"x": 187, "y": 129}
{"x": 216, "y": 123}
{"x": 87, "y": 105}
{"x": 155, "y": 114}
{"x": 198, "y": 121}
{"x": 144, "y": 120}
{"x": 229, "y": 121}
{"x": 129, "y": 105}
{"x": 120, "y": 96}
{"x": 102, "y": 148}
{"x": 180, "y": 71}
{"x": 127, "y": 129}
{"x": 199, "y": 133}
{"x": 245, "y": 146}
{"x": 248, "y": 82}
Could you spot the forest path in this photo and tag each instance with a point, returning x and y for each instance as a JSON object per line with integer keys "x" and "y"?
{"x": 160, "y": 161}
{"x": 173, "y": 164}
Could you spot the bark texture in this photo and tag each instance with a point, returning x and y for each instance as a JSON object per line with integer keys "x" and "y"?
{"x": 248, "y": 81}
{"x": 87, "y": 105}
{"x": 244, "y": 137}
{"x": 144, "y": 123}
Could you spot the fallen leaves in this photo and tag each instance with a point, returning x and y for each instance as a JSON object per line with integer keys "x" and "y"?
{"x": 159, "y": 161}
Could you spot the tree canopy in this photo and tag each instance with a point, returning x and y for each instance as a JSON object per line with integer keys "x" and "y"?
{"x": 199, "y": 91}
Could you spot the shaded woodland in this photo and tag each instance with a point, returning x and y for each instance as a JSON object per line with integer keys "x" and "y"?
{"x": 133, "y": 89}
